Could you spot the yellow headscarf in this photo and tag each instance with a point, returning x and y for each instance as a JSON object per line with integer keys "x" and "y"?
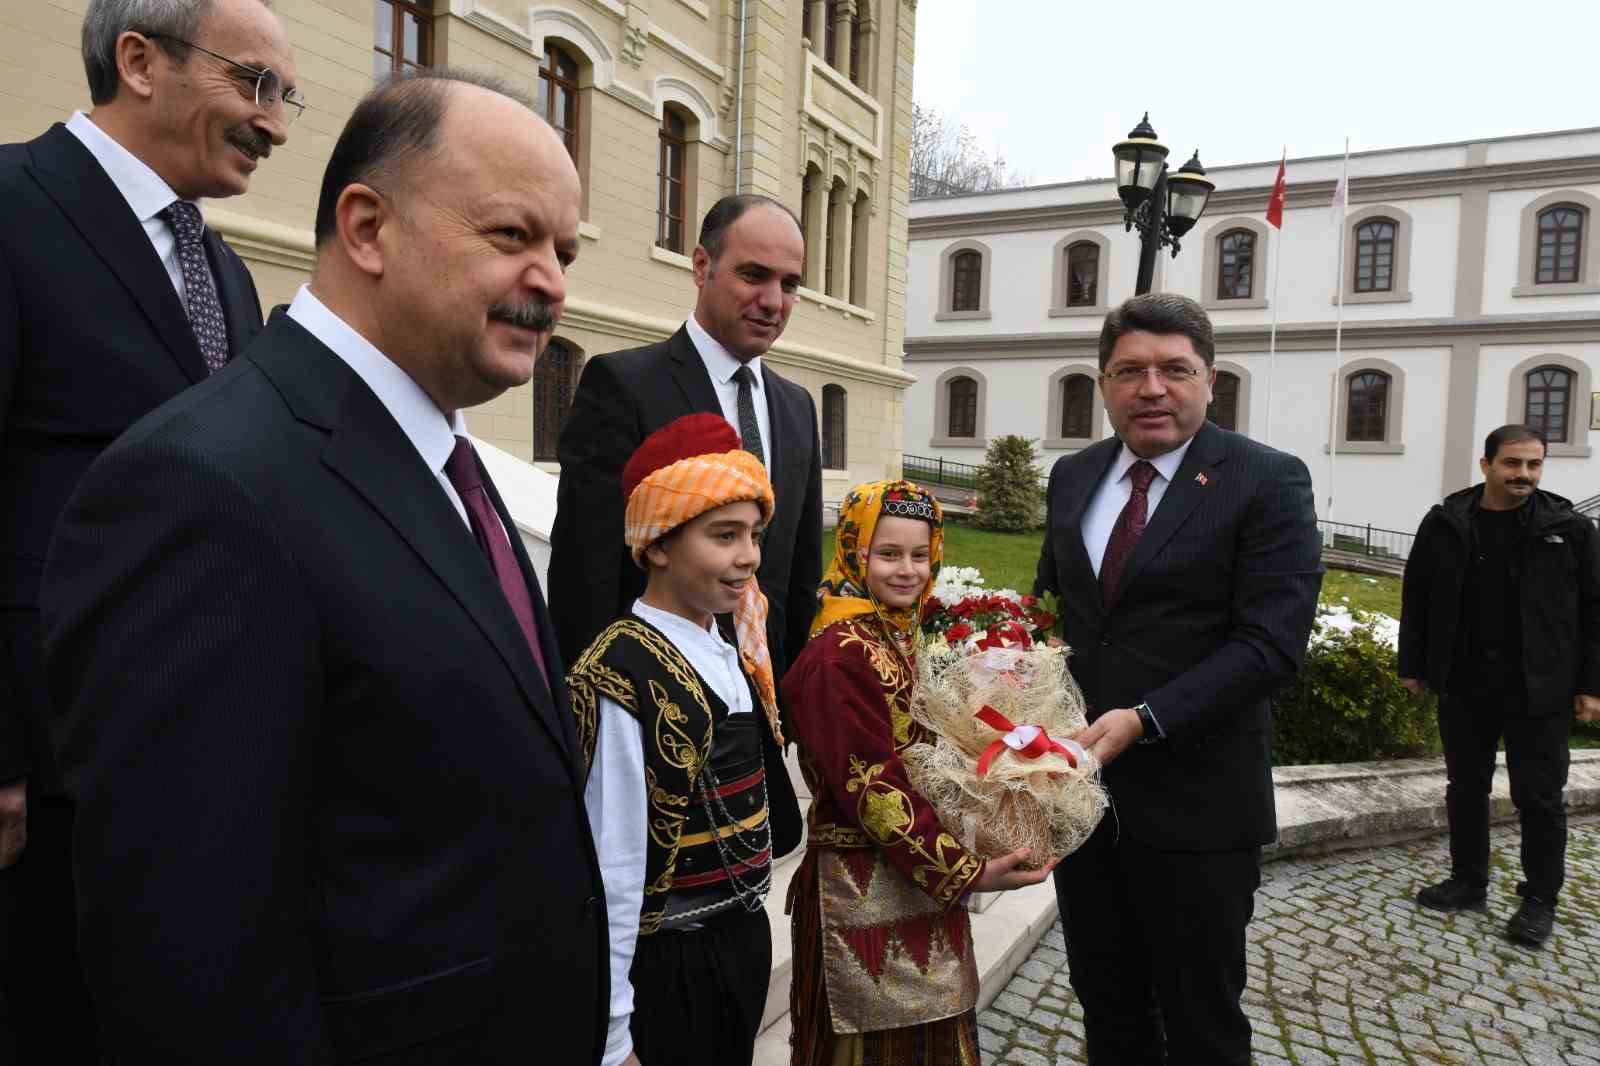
{"x": 844, "y": 592}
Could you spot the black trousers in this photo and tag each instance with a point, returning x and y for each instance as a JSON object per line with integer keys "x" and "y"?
{"x": 698, "y": 995}
{"x": 1156, "y": 949}
{"x": 1470, "y": 726}
{"x": 47, "y": 1001}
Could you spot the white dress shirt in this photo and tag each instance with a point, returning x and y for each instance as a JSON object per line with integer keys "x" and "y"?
{"x": 425, "y": 426}
{"x": 147, "y": 194}
{"x": 721, "y": 365}
{"x": 618, "y": 808}
{"x": 1112, "y": 495}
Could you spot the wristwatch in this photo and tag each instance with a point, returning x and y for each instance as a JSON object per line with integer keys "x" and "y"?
{"x": 1152, "y": 728}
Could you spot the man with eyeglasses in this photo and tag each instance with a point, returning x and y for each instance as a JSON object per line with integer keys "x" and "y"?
{"x": 114, "y": 297}
{"x": 1187, "y": 562}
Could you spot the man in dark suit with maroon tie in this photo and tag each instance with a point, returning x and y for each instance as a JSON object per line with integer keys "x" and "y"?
{"x": 1187, "y": 562}
{"x": 114, "y": 297}
{"x": 329, "y": 792}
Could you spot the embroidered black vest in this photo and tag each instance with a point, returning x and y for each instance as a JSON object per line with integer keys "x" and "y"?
{"x": 707, "y": 830}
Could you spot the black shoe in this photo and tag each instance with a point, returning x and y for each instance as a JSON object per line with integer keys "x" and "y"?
{"x": 1452, "y": 894}
{"x": 1532, "y": 923}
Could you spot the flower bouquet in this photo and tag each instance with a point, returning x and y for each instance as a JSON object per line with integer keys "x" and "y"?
{"x": 992, "y": 687}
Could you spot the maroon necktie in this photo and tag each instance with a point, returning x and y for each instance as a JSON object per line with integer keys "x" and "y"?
{"x": 1129, "y": 528}
{"x": 464, "y": 473}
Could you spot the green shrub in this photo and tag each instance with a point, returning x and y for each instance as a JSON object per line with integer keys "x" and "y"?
{"x": 1347, "y": 705}
{"x": 1008, "y": 486}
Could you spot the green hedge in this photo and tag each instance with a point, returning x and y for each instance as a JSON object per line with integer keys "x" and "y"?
{"x": 1347, "y": 705}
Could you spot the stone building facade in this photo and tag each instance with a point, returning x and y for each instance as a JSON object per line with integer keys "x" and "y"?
{"x": 666, "y": 105}
{"x": 1471, "y": 292}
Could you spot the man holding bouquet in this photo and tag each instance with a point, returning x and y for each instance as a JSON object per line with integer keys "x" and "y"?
{"x": 1186, "y": 559}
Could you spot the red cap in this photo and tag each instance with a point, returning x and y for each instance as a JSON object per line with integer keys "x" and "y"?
{"x": 682, "y": 438}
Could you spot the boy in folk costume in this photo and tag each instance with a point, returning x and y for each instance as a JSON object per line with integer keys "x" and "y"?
{"x": 687, "y": 793}
{"x": 883, "y": 966}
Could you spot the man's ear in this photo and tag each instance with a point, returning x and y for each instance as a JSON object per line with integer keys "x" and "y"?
{"x": 360, "y": 217}
{"x": 136, "y": 59}
{"x": 702, "y": 265}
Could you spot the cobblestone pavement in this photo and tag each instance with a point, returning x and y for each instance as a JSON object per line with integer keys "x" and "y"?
{"x": 1346, "y": 968}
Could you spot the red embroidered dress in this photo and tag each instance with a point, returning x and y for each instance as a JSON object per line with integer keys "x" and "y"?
{"x": 883, "y": 945}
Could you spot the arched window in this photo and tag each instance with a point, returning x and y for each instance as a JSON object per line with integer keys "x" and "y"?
{"x": 1374, "y": 259}
{"x": 860, "y": 213}
{"x": 830, "y": 34}
{"x": 836, "y": 255}
{"x": 1083, "y": 274}
{"x": 1560, "y": 245}
{"x": 558, "y": 95}
{"x": 966, "y": 280}
{"x": 555, "y": 378}
{"x": 1077, "y": 406}
{"x": 1366, "y": 405}
{"x": 1236, "y": 253}
{"x": 1224, "y": 407}
{"x": 835, "y": 420}
{"x": 1548, "y": 403}
{"x": 963, "y": 407}
{"x": 674, "y": 138}
{"x": 856, "y": 44}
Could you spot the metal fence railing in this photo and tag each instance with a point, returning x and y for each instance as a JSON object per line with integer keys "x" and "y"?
{"x": 937, "y": 470}
{"x": 1366, "y": 540}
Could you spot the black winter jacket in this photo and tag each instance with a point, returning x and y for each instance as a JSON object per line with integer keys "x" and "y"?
{"x": 1556, "y": 574}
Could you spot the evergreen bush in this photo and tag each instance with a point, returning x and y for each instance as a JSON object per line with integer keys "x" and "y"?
{"x": 1008, "y": 486}
{"x": 1347, "y": 705}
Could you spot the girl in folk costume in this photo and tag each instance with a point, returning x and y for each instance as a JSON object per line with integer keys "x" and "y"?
{"x": 883, "y": 966}
{"x": 687, "y": 792}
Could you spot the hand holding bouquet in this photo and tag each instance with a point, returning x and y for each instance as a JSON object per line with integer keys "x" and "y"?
{"x": 992, "y": 686}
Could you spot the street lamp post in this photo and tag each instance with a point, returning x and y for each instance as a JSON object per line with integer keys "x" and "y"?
{"x": 1164, "y": 206}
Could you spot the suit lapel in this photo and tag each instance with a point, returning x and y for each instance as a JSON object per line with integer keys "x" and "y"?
{"x": 238, "y": 306}
{"x": 72, "y": 177}
{"x": 689, "y": 372}
{"x": 1189, "y": 486}
{"x": 1076, "y": 507}
{"x": 780, "y": 422}
{"x": 370, "y": 451}
{"x": 554, "y": 702}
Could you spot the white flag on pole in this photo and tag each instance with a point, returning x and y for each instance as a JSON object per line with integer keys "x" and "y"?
{"x": 1341, "y": 195}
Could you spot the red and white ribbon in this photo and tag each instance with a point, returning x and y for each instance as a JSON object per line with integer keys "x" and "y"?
{"x": 1028, "y": 741}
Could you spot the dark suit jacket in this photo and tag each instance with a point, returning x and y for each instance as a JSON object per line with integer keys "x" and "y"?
{"x": 92, "y": 338}
{"x": 327, "y": 808}
{"x": 624, "y": 397}
{"x": 1215, "y": 608}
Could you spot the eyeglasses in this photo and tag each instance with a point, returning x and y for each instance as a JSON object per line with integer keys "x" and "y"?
{"x": 1171, "y": 373}
{"x": 269, "y": 86}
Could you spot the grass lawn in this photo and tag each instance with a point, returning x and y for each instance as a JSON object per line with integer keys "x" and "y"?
{"x": 1008, "y": 561}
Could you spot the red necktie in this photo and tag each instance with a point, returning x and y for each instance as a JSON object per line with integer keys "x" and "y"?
{"x": 1129, "y": 528}
{"x": 464, "y": 473}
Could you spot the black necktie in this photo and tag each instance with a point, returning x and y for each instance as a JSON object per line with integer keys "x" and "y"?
{"x": 749, "y": 428}
{"x": 199, "y": 288}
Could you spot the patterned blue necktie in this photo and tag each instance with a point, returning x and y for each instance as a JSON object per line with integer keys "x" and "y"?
{"x": 200, "y": 289}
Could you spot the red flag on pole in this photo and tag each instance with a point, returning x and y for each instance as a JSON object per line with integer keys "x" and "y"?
{"x": 1275, "y": 201}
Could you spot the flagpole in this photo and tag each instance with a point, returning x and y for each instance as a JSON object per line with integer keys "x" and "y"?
{"x": 1338, "y": 325}
{"x": 1272, "y": 341}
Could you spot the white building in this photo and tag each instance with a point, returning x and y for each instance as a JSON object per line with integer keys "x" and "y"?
{"x": 1471, "y": 299}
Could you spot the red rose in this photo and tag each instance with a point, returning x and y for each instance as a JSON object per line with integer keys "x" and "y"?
{"x": 1030, "y": 601}
{"x": 932, "y": 607}
{"x": 959, "y": 631}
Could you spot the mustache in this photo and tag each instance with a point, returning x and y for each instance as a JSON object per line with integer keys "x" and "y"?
{"x": 536, "y": 315}
{"x": 1520, "y": 481}
{"x": 249, "y": 140}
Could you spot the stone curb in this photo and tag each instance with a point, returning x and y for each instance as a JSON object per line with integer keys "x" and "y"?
{"x": 1320, "y": 809}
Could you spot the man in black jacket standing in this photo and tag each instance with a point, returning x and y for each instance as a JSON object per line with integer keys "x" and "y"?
{"x": 114, "y": 297}
{"x": 747, "y": 269}
{"x": 1500, "y": 616}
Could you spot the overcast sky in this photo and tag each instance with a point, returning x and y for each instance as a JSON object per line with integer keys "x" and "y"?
{"x": 1053, "y": 84}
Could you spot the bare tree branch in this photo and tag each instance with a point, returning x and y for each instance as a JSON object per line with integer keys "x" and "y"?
{"x": 946, "y": 158}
